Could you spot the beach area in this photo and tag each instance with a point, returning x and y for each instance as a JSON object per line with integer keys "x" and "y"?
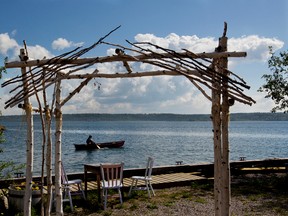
{"x": 251, "y": 194}
{"x": 263, "y": 195}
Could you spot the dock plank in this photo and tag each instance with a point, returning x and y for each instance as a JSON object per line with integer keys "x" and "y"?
{"x": 156, "y": 180}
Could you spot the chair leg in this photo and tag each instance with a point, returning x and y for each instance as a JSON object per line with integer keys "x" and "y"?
{"x": 52, "y": 201}
{"x": 105, "y": 191}
{"x": 151, "y": 188}
{"x": 147, "y": 187}
{"x": 67, "y": 194}
{"x": 80, "y": 188}
{"x": 70, "y": 200}
{"x": 131, "y": 187}
{"x": 120, "y": 196}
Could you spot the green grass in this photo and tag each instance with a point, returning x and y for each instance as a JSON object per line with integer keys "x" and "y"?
{"x": 133, "y": 207}
{"x": 169, "y": 203}
{"x": 152, "y": 206}
{"x": 200, "y": 200}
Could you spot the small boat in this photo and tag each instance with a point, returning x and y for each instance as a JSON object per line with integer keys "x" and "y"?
{"x": 114, "y": 144}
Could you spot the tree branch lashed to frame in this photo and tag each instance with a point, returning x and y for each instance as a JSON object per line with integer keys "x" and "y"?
{"x": 53, "y": 67}
{"x": 183, "y": 63}
{"x": 189, "y": 64}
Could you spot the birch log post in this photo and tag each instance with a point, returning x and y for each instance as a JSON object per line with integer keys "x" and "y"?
{"x": 225, "y": 183}
{"x": 216, "y": 119}
{"x": 48, "y": 160}
{"x": 58, "y": 156}
{"x": 29, "y": 142}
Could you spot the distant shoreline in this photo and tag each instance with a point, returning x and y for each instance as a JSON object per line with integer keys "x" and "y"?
{"x": 164, "y": 117}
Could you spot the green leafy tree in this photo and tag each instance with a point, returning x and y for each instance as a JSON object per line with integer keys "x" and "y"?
{"x": 276, "y": 86}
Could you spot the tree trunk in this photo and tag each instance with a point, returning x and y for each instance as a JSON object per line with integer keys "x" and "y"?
{"x": 226, "y": 190}
{"x": 48, "y": 161}
{"x": 58, "y": 119}
{"x": 217, "y": 147}
{"x": 29, "y": 144}
{"x": 220, "y": 116}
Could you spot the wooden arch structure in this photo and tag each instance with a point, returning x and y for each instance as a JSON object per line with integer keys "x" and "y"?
{"x": 207, "y": 71}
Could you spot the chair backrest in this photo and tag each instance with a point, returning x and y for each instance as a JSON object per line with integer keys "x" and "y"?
{"x": 112, "y": 174}
{"x": 149, "y": 167}
{"x": 64, "y": 178}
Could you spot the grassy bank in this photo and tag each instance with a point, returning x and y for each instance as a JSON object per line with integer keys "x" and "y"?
{"x": 251, "y": 195}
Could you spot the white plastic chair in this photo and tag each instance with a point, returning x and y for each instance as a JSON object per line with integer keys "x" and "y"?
{"x": 67, "y": 184}
{"x": 146, "y": 178}
{"x": 112, "y": 178}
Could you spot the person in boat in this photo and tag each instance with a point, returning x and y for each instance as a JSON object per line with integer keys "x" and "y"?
{"x": 90, "y": 141}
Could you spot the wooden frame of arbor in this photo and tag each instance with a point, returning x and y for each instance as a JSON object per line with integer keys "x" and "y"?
{"x": 207, "y": 71}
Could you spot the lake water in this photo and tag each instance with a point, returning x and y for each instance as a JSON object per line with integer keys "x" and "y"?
{"x": 166, "y": 141}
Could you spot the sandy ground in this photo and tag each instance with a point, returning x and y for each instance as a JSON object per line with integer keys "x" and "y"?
{"x": 250, "y": 196}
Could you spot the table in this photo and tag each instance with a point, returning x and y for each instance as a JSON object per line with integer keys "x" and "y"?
{"x": 93, "y": 168}
{"x": 19, "y": 174}
{"x": 179, "y": 162}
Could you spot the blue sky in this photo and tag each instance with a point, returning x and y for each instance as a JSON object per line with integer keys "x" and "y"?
{"x": 52, "y": 27}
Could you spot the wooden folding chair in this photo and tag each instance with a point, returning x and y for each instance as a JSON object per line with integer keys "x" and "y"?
{"x": 112, "y": 178}
{"x": 146, "y": 178}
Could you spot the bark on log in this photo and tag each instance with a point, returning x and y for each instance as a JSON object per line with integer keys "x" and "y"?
{"x": 29, "y": 144}
{"x": 58, "y": 151}
{"x": 48, "y": 159}
{"x": 216, "y": 119}
{"x": 225, "y": 169}
{"x": 41, "y": 63}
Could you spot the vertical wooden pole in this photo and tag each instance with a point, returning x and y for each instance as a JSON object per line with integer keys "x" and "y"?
{"x": 48, "y": 160}
{"x": 29, "y": 142}
{"x": 226, "y": 184}
{"x": 58, "y": 156}
{"x": 216, "y": 119}
{"x": 222, "y": 188}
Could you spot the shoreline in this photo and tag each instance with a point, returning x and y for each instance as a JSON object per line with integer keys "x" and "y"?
{"x": 161, "y": 117}
{"x": 267, "y": 166}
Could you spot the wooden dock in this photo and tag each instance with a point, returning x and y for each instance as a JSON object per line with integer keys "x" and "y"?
{"x": 184, "y": 175}
{"x": 181, "y": 174}
{"x": 158, "y": 181}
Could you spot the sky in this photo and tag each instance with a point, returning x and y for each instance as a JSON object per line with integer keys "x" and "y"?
{"x": 53, "y": 27}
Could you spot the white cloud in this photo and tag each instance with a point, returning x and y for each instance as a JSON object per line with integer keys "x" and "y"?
{"x": 262, "y": 104}
{"x": 175, "y": 42}
{"x": 7, "y": 43}
{"x": 14, "y": 32}
{"x": 62, "y": 43}
{"x": 188, "y": 102}
{"x": 255, "y": 46}
{"x": 139, "y": 85}
{"x": 38, "y": 52}
{"x": 10, "y": 48}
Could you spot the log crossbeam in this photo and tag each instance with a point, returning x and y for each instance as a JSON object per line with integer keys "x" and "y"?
{"x": 115, "y": 58}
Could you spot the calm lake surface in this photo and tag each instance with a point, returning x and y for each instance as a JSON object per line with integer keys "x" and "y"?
{"x": 166, "y": 141}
